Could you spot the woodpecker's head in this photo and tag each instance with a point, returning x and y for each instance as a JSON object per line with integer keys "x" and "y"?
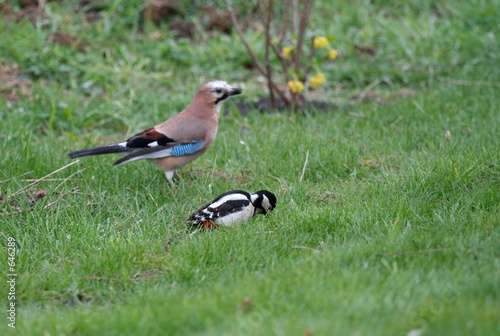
{"x": 214, "y": 93}
{"x": 264, "y": 201}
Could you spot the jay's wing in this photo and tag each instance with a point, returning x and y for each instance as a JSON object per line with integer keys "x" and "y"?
{"x": 158, "y": 151}
{"x": 151, "y": 144}
{"x": 148, "y": 138}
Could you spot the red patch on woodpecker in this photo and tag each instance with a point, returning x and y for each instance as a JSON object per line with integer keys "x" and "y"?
{"x": 209, "y": 225}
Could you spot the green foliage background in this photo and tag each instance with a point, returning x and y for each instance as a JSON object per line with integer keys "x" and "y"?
{"x": 394, "y": 228}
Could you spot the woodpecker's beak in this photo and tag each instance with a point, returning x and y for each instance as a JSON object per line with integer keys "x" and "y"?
{"x": 234, "y": 91}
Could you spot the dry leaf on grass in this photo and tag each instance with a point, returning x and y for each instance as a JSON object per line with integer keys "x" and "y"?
{"x": 362, "y": 50}
{"x": 37, "y": 195}
{"x": 67, "y": 40}
{"x": 13, "y": 87}
{"x": 246, "y": 305}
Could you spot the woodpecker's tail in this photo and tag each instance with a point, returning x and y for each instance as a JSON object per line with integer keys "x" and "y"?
{"x": 115, "y": 148}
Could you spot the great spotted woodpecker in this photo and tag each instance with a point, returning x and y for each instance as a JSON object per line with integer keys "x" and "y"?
{"x": 233, "y": 207}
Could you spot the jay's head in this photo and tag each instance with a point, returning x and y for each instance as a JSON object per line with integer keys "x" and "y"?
{"x": 214, "y": 93}
{"x": 264, "y": 201}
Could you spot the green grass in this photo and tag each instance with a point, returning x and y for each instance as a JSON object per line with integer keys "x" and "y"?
{"x": 336, "y": 256}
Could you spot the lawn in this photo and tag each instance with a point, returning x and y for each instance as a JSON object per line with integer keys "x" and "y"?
{"x": 393, "y": 229}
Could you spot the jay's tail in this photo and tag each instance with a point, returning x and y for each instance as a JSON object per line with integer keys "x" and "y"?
{"x": 115, "y": 148}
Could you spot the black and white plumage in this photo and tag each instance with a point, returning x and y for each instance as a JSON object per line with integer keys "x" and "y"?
{"x": 233, "y": 207}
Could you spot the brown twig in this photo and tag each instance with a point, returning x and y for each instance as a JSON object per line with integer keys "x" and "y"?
{"x": 285, "y": 25}
{"x": 279, "y": 54}
{"x": 232, "y": 16}
{"x": 69, "y": 177}
{"x": 267, "y": 24}
{"x": 304, "y": 19}
{"x": 278, "y": 50}
{"x": 293, "y": 15}
{"x": 298, "y": 99}
{"x": 370, "y": 86}
{"x": 73, "y": 193}
{"x": 50, "y": 204}
{"x": 63, "y": 194}
{"x": 309, "y": 60}
{"x": 12, "y": 178}
{"x": 305, "y": 165}
{"x": 281, "y": 94}
{"x": 259, "y": 66}
{"x": 153, "y": 199}
{"x": 43, "y": 178}
{"x": 135, "y": 192}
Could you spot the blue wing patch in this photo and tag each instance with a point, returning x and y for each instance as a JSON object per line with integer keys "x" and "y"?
{"x": 186, "y": 149}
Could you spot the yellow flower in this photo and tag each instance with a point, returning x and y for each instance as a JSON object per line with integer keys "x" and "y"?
{"x": 320, "y": 42}
{"x": 287, "y": 51}
{"x": 295, "y": 86}
{"x": 317, "y": 80}
{"x": 332, "y": 54}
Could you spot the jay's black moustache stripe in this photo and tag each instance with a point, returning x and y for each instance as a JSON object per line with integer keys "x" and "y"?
{"x": 224, "y": 96}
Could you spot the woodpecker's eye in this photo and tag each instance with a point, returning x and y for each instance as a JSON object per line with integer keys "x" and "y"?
{"x": 218, "y": 91}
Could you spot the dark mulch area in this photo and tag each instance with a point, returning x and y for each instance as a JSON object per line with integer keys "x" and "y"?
{"x": 264, "y": 105}
{"x": 157, "y": 11}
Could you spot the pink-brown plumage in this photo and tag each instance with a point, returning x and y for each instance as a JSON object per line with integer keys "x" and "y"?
{"x": 178, "y": 140}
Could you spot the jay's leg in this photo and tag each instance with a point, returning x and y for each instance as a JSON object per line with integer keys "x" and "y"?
{"x": 178, "y": 176}
{"x": 169, "y": 175}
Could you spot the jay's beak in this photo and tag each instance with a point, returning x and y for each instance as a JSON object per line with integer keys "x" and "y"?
{"x": 234, "y": 91}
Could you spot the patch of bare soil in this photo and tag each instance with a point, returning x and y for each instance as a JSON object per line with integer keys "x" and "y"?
{"x": 367, "y": 96}
{"x": 264, "y": 105}
{"x": 160, "y": 10}
{"x": 209, "y": 17}
{"x": 92, "y": 9}
{"x": 67, "y": 40}
{"x": 382, "y": 98}
{"x": 13, "y": 87}
{"x": 5, "y": 9}
{"x": 217, "y": 20}
{"x": 182, "y": 28}
{"x": 33, "y": 12}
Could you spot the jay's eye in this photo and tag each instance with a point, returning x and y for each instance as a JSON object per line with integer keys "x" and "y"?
{"x": 218, "y": 91}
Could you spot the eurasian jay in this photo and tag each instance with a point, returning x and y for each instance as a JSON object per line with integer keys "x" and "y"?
{"x": 177, "y": 141}
{"x": 232, "y": 207}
